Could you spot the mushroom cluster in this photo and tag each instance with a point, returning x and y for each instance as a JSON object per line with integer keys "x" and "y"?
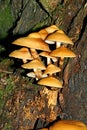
{"x": 43, "y": 53}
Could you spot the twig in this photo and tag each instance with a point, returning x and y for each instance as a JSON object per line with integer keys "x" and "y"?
{"x": 5, "y": 71}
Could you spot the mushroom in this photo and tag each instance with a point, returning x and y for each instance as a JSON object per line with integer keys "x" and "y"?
{"x": 43, "y": 33}
{"x": 34, "y": 35}
{"x": 22, "y": 53}
{"x": 59, "y": 37}
{"x": 51, "y": 94}
{"x": 31, "y": 74}
{"x": 62, "y": 52}
{"x": 46, "y": 54}
{"x": 51, "y": 82}
{"x": 37, "y": 66}
{"x": 32, "y": 43}
{"x": 51, "y": 29}
{"x": 51, "y": 69}
{"x": 68, "y": 125}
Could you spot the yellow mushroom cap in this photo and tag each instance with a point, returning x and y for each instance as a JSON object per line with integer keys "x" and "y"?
{"x": 59, "y": 36}
{"x": 34, "y": 64}
{"x": 68, "y": 125}
{"x": 51, "y": 82}
{"x": 34, "y": 43}
{"x": 22, "y": 53}
{"x": 43, "y": 33}
{"x": 62, "y": 52}
{"x": 51, "y": 29}
{"x": 34, "y": 35}
{"x": 51, "y": 69}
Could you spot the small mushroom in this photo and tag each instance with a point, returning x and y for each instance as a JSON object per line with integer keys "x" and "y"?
{"x": 51, "y": 82}
{"x": 51, "y": 29}
{"x": 31, "y": 74}
{"x": 34, "y": 35}
{"x": 51, "y": 69}
{"x": 46, "y": 54}
{"x": 68, "y": 125}
{"x": 59, "y": 37}
{"x": 51, "y": 94}
{"x": 62, "y": 52}
{"x": 37, "y": 66}
{"x": 22, "y": 53}
{"x": 43, "y": 33}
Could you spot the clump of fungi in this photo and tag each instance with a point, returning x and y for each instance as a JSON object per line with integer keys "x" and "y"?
{"x": 43, "y": 53}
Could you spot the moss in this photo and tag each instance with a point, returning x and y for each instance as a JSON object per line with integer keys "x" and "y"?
{"x": 6, "y": 19}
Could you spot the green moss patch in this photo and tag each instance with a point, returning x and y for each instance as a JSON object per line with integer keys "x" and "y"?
{"x": 6, "y": 19}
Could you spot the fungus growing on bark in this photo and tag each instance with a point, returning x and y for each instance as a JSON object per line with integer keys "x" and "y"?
{"x": 62, "y": 52}
{"x": 43, "y": 40}
{"x": 52, "y": 93}
{"x": 34, "y": 35}
{"x": 50, "y": 82}
{"x": 43, "y": 33}
{"x": 58, "y": 37}
{"x": 31, "y": 74}
{"x": 36, "y": 65}
{"x": 32, "y": 43}
{"x": 22, "y": 53}
{"x": 51, "y": 69}
{"x": 51, "y": 29}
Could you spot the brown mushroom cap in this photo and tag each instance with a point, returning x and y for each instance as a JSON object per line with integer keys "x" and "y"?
{"x": 52, "y": 69}
{"x": 68, "y": 125}
{"x": 30, "y": 42}
{"x": 51, "y": 82}
{"x": 62, "y": 52}
{"x": 34, "y": 64}
{"x": 22, "y": 53}
{"x": 59, "y": 36}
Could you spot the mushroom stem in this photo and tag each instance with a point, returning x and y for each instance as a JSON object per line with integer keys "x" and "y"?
{"x": 34, "y": 53}
{"x": 61, "y": 61}
{"x": 38, "y": 73}
{"x": 48, "y": 61}
{"x": 24, "y": 60}
{"x": 58, "y": 44}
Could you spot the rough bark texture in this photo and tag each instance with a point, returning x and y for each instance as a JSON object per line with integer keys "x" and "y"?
{"x": 75, "y": 83}
{"x": 20, "y": 17}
